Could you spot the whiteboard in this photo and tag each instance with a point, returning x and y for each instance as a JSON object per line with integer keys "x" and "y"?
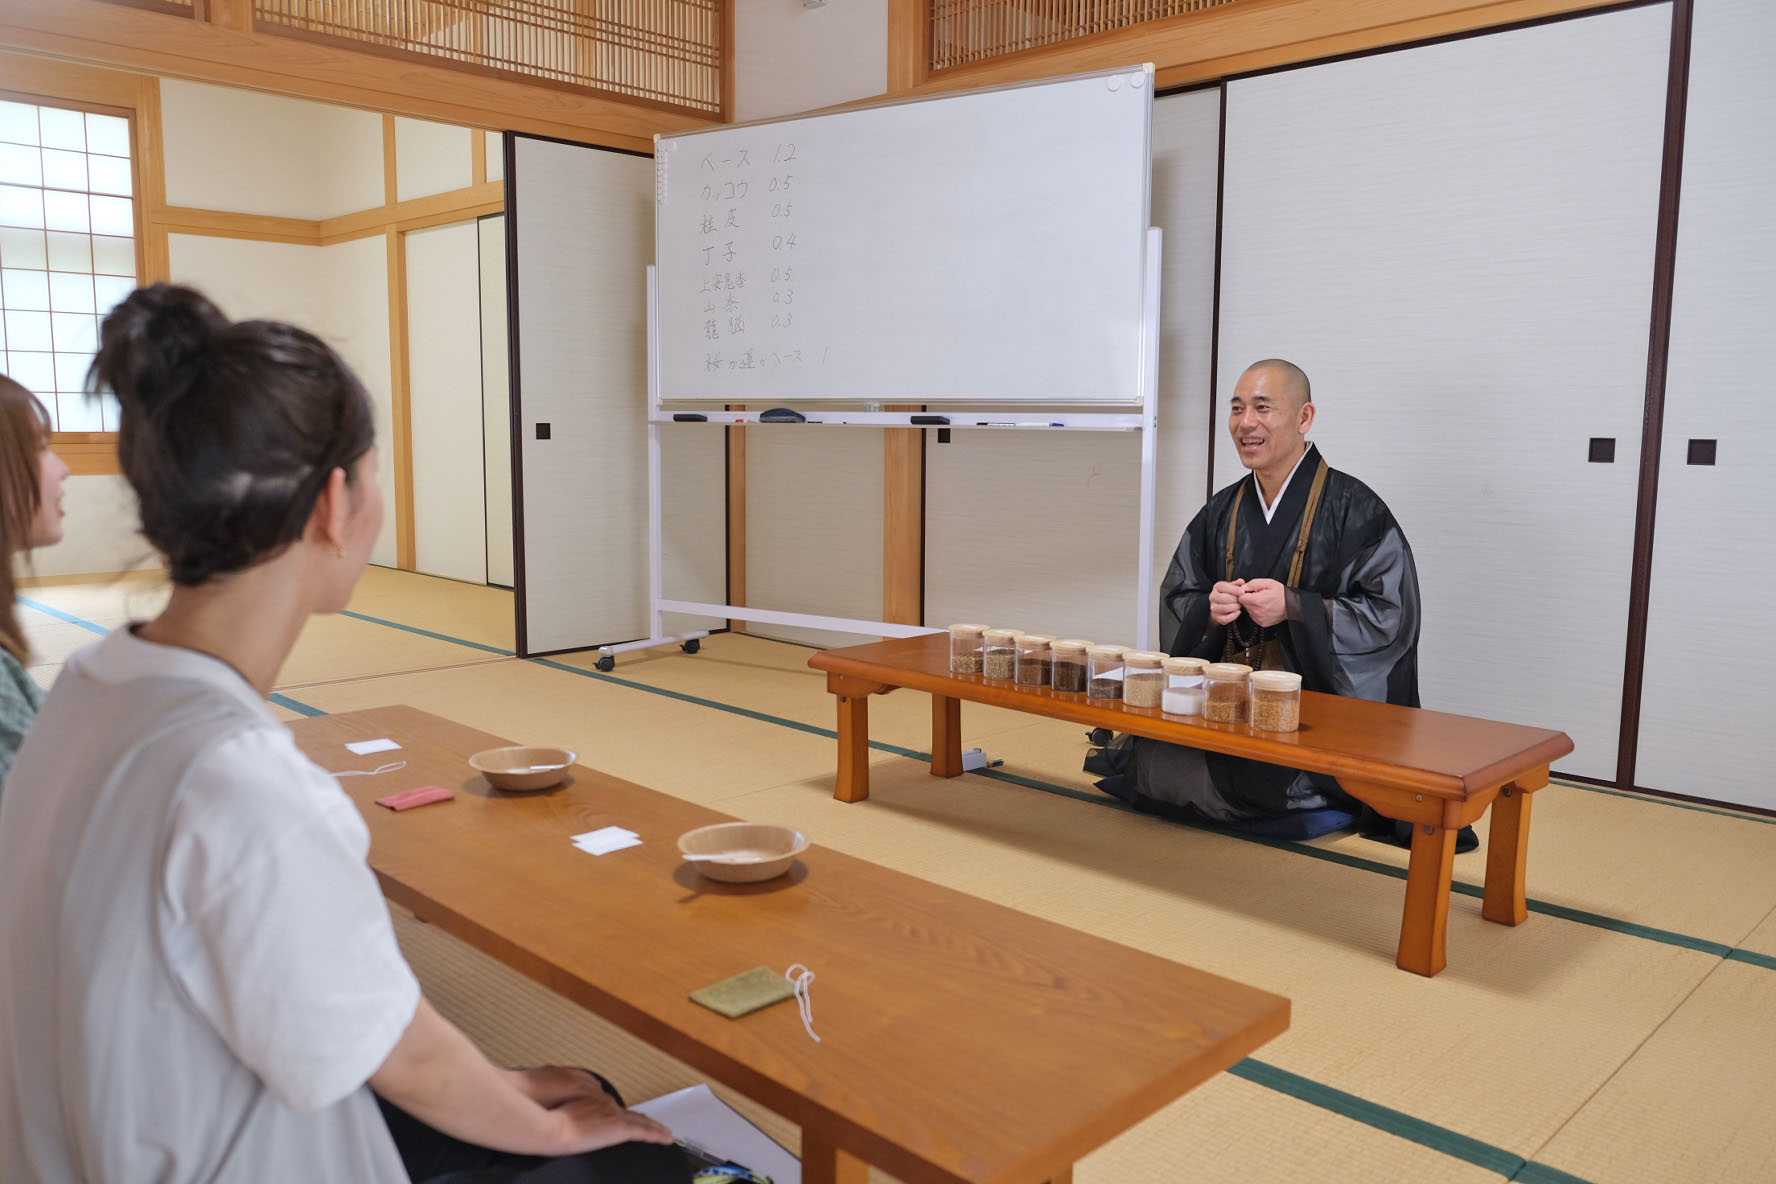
{"x": 978, "y": 247}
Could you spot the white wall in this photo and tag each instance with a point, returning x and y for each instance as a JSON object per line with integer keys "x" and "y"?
{"x": 250, "y": 153}
{"x": 431, "y": 158}
{"x": 340, "y": 293}
{"x": 100, "y": 533}
{"x": 788, "y": 58}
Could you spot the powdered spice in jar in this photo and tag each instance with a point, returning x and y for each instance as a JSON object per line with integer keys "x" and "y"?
{"x": 1034, "y": 660}
{"x": 1069, "y": 665}
{"x": 1143, "y": 679}
{"x": 1184, "y": 694}
{"x": 1276, "y": 700}
{"x": 1229, "y": 692}
{"x": 1103, "y": 669}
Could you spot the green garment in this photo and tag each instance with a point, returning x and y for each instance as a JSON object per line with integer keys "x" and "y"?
{"x": 19, "y": 700}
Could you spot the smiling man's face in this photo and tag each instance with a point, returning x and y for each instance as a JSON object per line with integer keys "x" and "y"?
{"x": 1268, "y": 420}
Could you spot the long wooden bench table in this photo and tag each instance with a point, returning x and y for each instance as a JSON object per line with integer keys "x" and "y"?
{"x": 960, "y": 1041}
{"x": 1437, "y": 771}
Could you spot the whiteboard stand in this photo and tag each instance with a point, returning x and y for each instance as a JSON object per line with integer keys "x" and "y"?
{"x": 1144, "y": 421}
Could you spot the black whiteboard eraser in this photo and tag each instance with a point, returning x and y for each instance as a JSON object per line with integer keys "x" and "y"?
{"x": 689, "y": 417}
{"x": 941, "y": 420}
{"x": 782, "y": 415}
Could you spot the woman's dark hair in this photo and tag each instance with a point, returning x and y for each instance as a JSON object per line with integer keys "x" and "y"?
{"x": 24, "y": 434}
{"x": 228, "y": 430}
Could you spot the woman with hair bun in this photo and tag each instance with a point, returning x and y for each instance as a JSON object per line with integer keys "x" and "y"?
{"x": 199, "y": 980}
{"x": 30, "y": 516}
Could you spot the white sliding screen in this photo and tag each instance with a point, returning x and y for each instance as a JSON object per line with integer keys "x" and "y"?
{"x": 582, "y": 219}
{"x": 1456, "y": 242}
{"x": 1710, "y": 668}
{"x": 1038, "y": 529}
{"x": 445, "y": 405}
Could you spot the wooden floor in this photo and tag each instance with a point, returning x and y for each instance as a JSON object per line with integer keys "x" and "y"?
{"x": 1626, "y": 1034}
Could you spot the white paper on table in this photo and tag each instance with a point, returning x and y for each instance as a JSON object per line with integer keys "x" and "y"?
{"x": 606, "y": 839}
{"x": 697, "y": 1116}
{"x": 366, "y": 747}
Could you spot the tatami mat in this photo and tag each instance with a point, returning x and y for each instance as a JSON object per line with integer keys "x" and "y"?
{"x": 1321, "y": 934}
{"x": 1694, "y": 1103}
{"x": 1762, "y": 940}
{"x": 774, "y": 677}
{"x": 1609, "y": 1052}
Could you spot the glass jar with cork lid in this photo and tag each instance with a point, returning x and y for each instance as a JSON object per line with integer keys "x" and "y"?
{"x": 1276, "y": 700}
{"x": 965, "y": 648}
{"x": 1184, "y": 693}
{"x": 1000, "y": 651}
{"x": 1228, "y": 685}
{"x": 1034, "y": 659}
{"x": 1143, "y": 678}
{"x": 1068, "y": 656}
{"x": 1103, "y": 671}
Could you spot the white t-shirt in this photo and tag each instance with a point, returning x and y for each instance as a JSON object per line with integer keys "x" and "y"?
{"x": 198, "y": 974}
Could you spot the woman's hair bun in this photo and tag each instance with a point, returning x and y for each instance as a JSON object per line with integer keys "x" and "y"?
{"x": 152, "y": 346}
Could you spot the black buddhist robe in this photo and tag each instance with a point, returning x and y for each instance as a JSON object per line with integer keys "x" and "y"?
{"x": 1352, "y": 629}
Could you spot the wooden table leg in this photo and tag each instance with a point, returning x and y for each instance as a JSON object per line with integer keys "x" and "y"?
{"x": 1426, "y": 923}
{"x": 946, "y": 736}
{"x": 1507, "y": 858}
{"x": 825, "y": 1163}
{"x": 853, "y": 782}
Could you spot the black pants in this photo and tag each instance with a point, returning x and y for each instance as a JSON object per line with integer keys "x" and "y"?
{"x": 432, "y": 1157}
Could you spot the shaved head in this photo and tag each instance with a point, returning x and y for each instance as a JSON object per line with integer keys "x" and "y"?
{"x": 1287, "y": 378}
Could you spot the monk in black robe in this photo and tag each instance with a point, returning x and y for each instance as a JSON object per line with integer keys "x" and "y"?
{"x": 1296, "y": 566}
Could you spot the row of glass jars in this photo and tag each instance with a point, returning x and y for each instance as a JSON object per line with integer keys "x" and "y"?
{"x": 1220, "y": 692}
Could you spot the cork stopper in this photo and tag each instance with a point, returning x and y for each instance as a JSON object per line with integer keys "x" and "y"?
{"x": 1185, "y": 666}
{"x": 1001, "y": 637}
{"x": 1143, "y": 659}
{"x": 1275, "y": 680}
{"x": 1228, "y": 671}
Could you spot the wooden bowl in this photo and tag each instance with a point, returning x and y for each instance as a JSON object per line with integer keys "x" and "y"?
{"x": 745, "y": 852}
{"x": 523, "y": 768}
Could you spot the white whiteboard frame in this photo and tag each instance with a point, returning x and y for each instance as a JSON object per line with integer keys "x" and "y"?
{"x": 1145, "y": 421}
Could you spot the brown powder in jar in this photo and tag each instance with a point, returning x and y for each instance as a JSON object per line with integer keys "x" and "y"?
{"x": 1105, "y": 688}
{"x": 1226, "y": 704}
{"x": 1032, "y": 672}
{"x": 1144, "y": 690}
{"x": 1069, "y": 676}
{"x": 1001, "y": 664}
{"x": 1276, "y": 711}
{"x": 969, "y": 663}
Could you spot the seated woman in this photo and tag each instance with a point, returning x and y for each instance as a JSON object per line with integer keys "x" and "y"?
{"x": 200, "y": 979}
{"x": 30, "y": 516}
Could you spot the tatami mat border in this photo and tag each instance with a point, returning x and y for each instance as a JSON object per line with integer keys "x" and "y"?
{"x": 58, "y": 614}
{"x": 491, "y": 649}
{"x": 295, "y": 705}
{"x": 1400, "y": 1124}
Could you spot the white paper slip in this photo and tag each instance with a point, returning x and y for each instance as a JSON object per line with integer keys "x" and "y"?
{"x": 606, "y": 839}
{"x": 366, "y": 747}
{"x": 697, "y": 1116}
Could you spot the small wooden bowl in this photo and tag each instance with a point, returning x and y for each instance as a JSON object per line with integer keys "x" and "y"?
{"x": 746, "y": 852}
{"x": 523, "y": 768}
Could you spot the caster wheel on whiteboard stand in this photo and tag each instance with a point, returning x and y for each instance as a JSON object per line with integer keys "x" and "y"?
{"x": 606, "y": 664}
{"x": 693, "y": 645}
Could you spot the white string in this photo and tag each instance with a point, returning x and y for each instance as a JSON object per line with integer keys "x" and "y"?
{"x": 392, "y": 767}
{"x": 804, "y": 1000}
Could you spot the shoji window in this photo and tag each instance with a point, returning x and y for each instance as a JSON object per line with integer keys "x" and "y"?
{"x": 67, "y": 250}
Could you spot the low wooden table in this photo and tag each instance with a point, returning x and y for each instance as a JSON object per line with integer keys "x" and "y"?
{"x": 1437, "y": 771}
{"x": 960, "y": 1040}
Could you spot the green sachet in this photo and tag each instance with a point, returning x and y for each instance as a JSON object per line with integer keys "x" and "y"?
{"x": 735, "y": 997}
